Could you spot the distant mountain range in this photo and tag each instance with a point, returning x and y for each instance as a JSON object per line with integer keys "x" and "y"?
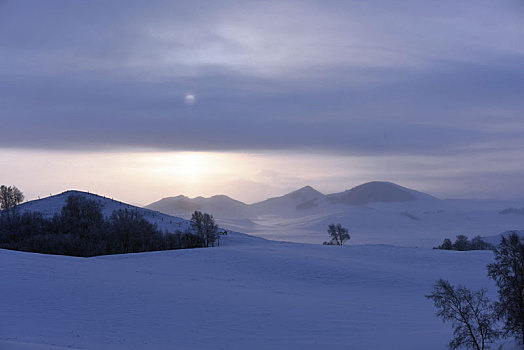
{"x": 303, "y": 201}
{"x": 374, "y": 212}
{"x": 220, "y": 206}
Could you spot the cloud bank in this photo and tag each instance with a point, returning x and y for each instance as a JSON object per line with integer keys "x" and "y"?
{"x": 347, "y": 77}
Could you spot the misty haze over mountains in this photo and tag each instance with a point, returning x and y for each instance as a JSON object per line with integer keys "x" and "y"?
{"x": 375, "y": 212}
{"x": 300, "y": 202}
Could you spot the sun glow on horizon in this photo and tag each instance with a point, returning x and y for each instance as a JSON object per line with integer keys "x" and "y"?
{"x": 144, "y": 177}
{"x": 189, "y": 167}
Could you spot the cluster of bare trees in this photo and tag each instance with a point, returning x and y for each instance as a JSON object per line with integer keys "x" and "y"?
{"x": 80, "y": 229}
{"x": 203, "y": 226}
{"x": 10, "y": 197}
{"x": 478, "y": 322}
{"x": 463, "y": 243}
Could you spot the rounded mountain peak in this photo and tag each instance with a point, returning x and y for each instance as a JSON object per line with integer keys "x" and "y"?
{"x": 377, "y": 191}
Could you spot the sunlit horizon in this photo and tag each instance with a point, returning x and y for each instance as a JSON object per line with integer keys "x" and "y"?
{"x": 147, "y": 176}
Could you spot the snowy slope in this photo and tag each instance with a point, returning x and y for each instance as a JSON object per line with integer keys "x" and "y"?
{"x": 53, "y": 204}
{"x": 247, "y": 294}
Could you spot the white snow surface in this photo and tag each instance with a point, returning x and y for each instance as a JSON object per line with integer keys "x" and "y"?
{"x": 249, "y": 293}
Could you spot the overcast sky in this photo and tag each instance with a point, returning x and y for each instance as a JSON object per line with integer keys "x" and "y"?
{"x": 429, "y": 94}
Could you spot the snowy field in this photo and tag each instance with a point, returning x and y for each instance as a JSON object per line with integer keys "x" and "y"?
{"x": 248, "y": 294}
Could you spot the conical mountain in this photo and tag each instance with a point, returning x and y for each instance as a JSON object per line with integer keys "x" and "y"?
{"x": 305, "y": 198}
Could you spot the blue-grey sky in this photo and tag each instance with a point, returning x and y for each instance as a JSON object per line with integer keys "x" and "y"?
{"x": 434, "y": 89}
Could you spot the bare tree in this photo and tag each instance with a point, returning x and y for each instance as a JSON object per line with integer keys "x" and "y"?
{"x": 339, "y": 235}
{"x": 10, "y": 197}
{"x": 471, "y": 315}
{"x": 461, "y": 243}
{"x": 446, "y": 245}
{"x": 204, "y": 226}
{"x": 508, "y": 273}
{"x": 477, "y": 243}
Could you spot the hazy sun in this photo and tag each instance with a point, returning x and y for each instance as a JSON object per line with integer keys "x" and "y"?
{"x": 189, "y": 167}
{"x": 189, "y": 99}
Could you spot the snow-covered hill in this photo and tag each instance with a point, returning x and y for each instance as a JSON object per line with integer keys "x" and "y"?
{"x": 53, "y": 204}
{"x": 248, "y": 294}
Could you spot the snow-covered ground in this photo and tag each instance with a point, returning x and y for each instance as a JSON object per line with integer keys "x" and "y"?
{"x": 248, "y": 294}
